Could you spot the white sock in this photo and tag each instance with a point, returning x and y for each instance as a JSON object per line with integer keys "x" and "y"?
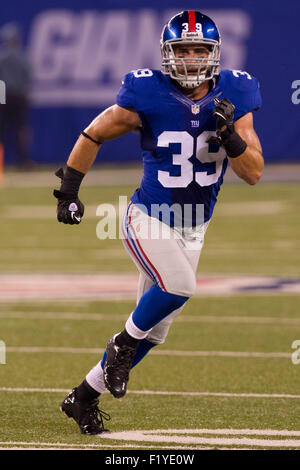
{"x": 95, "y": 378}
{"x": 134, "y": 331}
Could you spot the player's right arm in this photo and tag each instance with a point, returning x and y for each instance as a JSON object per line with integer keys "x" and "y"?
{"x": 110, "y": 124}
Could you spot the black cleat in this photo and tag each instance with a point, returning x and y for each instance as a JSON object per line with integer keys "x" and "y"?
{"x": 117, "y": 366}
{"x": 87, "y": 415}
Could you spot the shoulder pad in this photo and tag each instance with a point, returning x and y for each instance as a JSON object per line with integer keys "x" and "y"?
{"x": 138, "y": 88}
{"x": 242, "y": 89}
{"x": 141, "y": 78}
{"x": 240, "y": 80}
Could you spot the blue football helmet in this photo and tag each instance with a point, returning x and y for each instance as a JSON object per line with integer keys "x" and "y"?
{"x": 190, "y": 27}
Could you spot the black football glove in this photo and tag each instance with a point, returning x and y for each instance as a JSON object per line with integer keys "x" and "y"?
{"x": 223, "y": 113}
{"x": 229, "y": 139}
{"x": 70, "y": 209}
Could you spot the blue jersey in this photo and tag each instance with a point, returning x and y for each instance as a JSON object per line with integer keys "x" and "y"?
{"x": 183, "y": 163}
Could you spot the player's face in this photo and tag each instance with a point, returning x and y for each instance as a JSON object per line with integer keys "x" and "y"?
{"x": 190, "y": 52}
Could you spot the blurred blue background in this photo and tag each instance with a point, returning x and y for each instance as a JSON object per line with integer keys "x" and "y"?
{"x": 79, "y": 52}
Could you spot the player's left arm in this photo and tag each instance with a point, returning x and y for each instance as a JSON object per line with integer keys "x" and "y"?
{"x": 250, "y": 163}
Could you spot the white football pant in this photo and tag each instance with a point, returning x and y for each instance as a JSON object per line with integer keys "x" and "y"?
{"x": 164, "y": 256}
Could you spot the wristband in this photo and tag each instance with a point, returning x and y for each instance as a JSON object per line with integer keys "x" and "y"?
{"x": 71, "y": 181}
{"x": 232, "y": 142}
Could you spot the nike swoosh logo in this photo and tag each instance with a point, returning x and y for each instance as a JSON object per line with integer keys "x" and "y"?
{"x": 75, "y": 217}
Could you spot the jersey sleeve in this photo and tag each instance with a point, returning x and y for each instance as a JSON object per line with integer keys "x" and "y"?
{"x": 139, "y": 90}
{"x": 126, "y": 96}
{"x": 245, "y": 93}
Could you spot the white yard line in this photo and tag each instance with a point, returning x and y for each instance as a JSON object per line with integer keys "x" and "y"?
{"x": 163, "y": 352}
{"x": 155, "y": 392}
{"x": 61, "y": 446}
{"x": 116, "y": 317}
{"x": 33, "y": 349}
{"x": 214, "y": 440}
{"x": 145, "y": 436}
{"x": 64, "y": 316}
{"x": 236, "y": 319}
{"x": 174, "y": 437}
{"x": 166, "y": 352}
{"x": 49, "y": 446}
{"x": 215, "y": 394}
{"x": 230, "y": 431}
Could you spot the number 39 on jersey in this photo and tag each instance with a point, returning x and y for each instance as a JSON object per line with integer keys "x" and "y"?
{"x": 188, "y": 174}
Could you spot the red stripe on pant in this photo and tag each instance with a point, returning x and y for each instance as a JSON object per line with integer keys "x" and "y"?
{"x": 133, "y": 253}
{"x": 146, "y": 257}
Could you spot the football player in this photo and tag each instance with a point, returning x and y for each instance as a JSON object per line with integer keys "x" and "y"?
{"x": 193, "y": 119}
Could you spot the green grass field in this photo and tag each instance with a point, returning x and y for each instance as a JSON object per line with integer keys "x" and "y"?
{"x": 226, "y": 364}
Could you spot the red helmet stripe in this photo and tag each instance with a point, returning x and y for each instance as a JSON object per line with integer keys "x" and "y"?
{"x": 192, "y": 21}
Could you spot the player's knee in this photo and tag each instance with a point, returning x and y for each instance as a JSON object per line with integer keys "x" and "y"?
{"x": 184, "y": 286}
{"x": 189, "y": 287}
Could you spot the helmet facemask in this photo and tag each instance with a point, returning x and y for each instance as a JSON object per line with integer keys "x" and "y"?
{"x": 205, "y": 67}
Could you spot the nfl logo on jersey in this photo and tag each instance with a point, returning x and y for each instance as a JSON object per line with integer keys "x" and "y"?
{"x": 195, "y": 108}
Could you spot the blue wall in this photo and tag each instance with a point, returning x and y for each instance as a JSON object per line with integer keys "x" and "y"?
{"x": 80, "y": 51}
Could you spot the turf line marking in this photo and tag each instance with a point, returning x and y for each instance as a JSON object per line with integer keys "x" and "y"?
{"x": 133, "y": 447}
{"x": 156, "y": 392}
{"x": 116, "y": 317}
{"x": 95, "y": 446}
{"x": 177, "y": 438}
{"x": 41, "y": 448}
{"x": 215, "y": 394}
{"x": 230, "y": 431}
{"x": 133, "y": 436}
{"x": 163, "y": 352}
